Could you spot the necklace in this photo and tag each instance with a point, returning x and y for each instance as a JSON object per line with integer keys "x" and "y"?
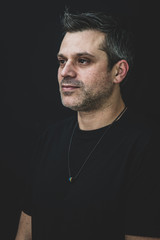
{"x": 71, "y": 178}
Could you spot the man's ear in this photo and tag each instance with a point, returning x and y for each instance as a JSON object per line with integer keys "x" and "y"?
{"x": 120, "y": 71}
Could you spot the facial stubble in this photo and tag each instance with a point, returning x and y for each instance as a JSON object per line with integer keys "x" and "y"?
{"x": 86, "y": 99}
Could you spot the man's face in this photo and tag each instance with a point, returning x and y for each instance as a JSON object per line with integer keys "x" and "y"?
{"x": 84, "y": 81}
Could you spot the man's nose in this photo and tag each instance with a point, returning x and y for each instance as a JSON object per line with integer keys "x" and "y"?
{"x": 68, "y": 70}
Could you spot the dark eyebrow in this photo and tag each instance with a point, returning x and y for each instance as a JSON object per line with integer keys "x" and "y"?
{"x": 84, "y": 53}
{"x": 60, "y": 55}
{"x": 77, "y": 54}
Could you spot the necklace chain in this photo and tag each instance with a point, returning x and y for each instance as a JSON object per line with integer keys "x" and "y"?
{"x": 71, "y": 179}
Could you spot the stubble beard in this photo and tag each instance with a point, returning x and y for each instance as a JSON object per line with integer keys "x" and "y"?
{"x": 88, "y": 100}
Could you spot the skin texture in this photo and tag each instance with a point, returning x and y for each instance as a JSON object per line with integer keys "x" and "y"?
{"x": 85, "y": 83}
{"x": 128, "y": 237}
{"x": 24, "y": 229}
{"x": 85, "y": 68}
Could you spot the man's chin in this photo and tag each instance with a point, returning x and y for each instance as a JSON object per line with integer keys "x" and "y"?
{"x": 76, "y": 107}
{"x": 70, "y": 105}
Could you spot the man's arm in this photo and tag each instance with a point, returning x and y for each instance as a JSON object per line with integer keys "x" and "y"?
{"x": 24, "y": 229}
{"x": 129, "y": 237}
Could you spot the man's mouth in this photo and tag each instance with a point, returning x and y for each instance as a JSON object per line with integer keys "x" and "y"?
{"x": 69, "y": 87}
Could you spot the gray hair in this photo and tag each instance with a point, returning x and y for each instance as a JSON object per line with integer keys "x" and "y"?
{"x": 118, "y": 42}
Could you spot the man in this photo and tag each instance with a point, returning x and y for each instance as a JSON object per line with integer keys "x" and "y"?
{"x": 96, "y": 174}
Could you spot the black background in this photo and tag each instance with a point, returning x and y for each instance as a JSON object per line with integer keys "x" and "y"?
{"x": 31, "y": 34}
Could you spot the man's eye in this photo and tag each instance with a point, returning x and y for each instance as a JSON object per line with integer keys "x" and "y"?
{"x": 83, "y": 61}
{"x": 61, "y": 62}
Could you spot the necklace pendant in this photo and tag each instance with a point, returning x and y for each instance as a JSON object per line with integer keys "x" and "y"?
{"x": 70, "y": 179}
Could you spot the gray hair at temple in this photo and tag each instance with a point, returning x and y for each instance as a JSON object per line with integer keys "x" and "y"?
{"x": 118, "y": 42}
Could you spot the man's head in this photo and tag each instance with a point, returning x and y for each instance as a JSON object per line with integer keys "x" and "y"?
{"x": 117, "y": 43}
{"x": 95, "y": 54}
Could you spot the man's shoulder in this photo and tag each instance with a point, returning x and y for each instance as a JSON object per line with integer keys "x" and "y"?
{"x": 140, "y": 126}
{"x": 140, "y": 121}
{"x": 61, "y": 126}
{"x": 55, "y": 132}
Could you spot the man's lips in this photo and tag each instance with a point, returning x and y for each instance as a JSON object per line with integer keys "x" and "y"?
{"x": 69, "y": 87}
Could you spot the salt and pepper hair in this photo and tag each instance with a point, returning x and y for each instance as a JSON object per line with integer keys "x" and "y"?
{"x": 118, "y": 40}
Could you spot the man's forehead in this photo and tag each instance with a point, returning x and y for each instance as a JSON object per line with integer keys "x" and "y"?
{"x": 85, "y": 42}
{"x": 86, "y": 36}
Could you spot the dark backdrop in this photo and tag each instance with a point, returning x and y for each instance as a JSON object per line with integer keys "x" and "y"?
{"x": 28, "y": 87}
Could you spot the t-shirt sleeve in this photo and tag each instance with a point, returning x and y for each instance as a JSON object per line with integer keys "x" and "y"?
{"x": 32, "y": 166}
{"x": 27, "y": 198}
{"x": 143, "y": 200}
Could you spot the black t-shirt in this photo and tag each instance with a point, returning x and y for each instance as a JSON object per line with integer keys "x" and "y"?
{"x": 117, "y": 191}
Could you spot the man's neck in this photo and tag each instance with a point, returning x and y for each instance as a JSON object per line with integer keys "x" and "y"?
{"x": 99, "y": 118}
